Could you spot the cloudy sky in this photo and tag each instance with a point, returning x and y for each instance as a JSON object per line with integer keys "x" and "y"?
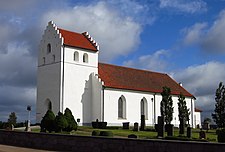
{"x": 184, "y": 38}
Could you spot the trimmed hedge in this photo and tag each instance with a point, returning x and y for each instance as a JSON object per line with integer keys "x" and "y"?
{"x": 106, "y": 133}
{"x": 221, "y": 135}
{"x": 132, "y": 136}
{"x": 95, "y": 133}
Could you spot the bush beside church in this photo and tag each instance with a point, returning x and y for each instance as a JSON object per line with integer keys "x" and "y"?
{"x": 59, "y": 123}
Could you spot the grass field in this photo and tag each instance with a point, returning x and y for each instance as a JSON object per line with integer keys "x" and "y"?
{"x": 122, "y": 133}
{"x": 119, "y": 132}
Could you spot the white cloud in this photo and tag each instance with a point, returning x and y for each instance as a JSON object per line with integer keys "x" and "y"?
{"x": 202, "y": 81}
{"x": 193, "y": 34}
{"x": 117, "y": 34}
{"x": 191, "y": 7}
{"x": 214, "y": 38}
{"x": 153, "y": 62}
{"x": 210, "y": 39}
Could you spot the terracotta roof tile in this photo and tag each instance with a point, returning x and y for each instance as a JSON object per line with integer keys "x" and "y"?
{"x": 76, "y": 40}
{"x": 197, "y": 110}
{"x": 140, "y": 80}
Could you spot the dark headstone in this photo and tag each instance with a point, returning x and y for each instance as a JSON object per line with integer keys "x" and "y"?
{"x": 142, "y": 128}
{"x": 136, "y": 127}
{"x": 169, "y": 130}
{"x": 202, "y": 135}
{"x": 160, "y": 127}
{"x": 125, "y": 125}
{"x": 181, "y": 126}
{"x": 189, "y": 132}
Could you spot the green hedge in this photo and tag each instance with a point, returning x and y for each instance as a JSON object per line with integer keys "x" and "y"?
{"x": 221, "y": 135}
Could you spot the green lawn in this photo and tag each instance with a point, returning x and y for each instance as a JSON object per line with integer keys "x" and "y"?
{"x": 121, "y": 133}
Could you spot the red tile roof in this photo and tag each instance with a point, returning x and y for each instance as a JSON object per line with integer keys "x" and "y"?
{"x": 197, "y": 110}
{"x": 139, "y": 80}
{"x": 77, "y": 40}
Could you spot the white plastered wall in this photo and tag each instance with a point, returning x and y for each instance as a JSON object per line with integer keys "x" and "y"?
{"x": 49, "y": 73}
{"x": 77, "y": 86}
{"x": 197, "y": 119}
{"x": 133, "y": 109}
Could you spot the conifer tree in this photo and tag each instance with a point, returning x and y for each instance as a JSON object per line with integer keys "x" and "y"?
{"x": 219, "y": 112}
{"x": 12, "y": 119}
{"x": 60, "y": 122}
{"x": 183, "y": 111}
{"x": 166, "y": 105}
{"x": 72, "y": 124}
{"x": 47, "y": 123}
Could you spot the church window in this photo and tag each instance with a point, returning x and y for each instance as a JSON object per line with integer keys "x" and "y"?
{"x": 85, "y": 58}
{"x": 49, "y": 49}
{"x": 43, "y": 60}
{"x": 144, "y": 108}
{"x": 76, "y": 56}
{"x": 122, "y": 108}
{"x": 48, "y": 104}
{"x": 53, "y": 58}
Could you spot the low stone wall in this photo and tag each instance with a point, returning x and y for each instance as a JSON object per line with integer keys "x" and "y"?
{"x": 98, "y": 144}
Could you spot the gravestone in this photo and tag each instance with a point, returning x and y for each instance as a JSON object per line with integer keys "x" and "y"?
{"x": 169, "y": 130}
{"x": 160, "y": 127}
{"x": 189, "y": 132}
{"x": 125, "y": 125}
{"x": 181, "y": 126}
{"x": 142, "y": 128}
{"x": 136, "y": 127}
{"x": 202, "y": 134}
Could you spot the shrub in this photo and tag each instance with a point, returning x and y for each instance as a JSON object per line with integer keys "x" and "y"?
{"x": 106, "y": 133}
{"x": 47, "y": 123}
{"x": 95, "y": 133}
{"x": 221, "y": 135}
{"x": 132, "y": 136}
{"x": 60, "y": 122}
{"x": 72, "y": 124}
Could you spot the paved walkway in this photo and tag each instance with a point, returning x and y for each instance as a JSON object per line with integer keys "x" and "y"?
{"x": 7, "y": 148}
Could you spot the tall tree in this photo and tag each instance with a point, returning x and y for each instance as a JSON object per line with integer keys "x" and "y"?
{"x": 219, "y": 112}
{"x": 183, "y": 111}
{"x": 166, "y": 105}
{"x": 12, "y": 119}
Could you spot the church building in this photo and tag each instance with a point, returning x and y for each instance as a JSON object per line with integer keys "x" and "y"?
{"x": 69, "y": 75}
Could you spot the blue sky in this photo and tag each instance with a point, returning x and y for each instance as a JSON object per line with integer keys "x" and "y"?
{"x": 184, "y": 38}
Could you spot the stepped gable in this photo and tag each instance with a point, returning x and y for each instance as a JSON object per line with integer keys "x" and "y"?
{"x": 84, "y": 40}
{"x": 139, "y": 80}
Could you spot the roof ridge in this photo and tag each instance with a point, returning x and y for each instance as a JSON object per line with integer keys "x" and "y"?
{"x": 69, "y": 31}
{"x": 133, "y": 68}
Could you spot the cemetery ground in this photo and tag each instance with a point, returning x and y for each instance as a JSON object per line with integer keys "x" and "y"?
{"x": 149, "y": 133}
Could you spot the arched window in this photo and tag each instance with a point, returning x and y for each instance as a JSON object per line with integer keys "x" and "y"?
{"x": 48, "y": 104}
{"x": 76, "y": 56}
{"x": 49, "y": 49}
{"x": 122, "y": 107}
{"x": 53, "y": 58}
{"x": 43, "y": 60}
{"x": 85, "y": 58}
{"x": 144, "y": 108}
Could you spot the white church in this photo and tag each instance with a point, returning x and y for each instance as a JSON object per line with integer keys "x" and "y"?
{"x": 69, "y": 75}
